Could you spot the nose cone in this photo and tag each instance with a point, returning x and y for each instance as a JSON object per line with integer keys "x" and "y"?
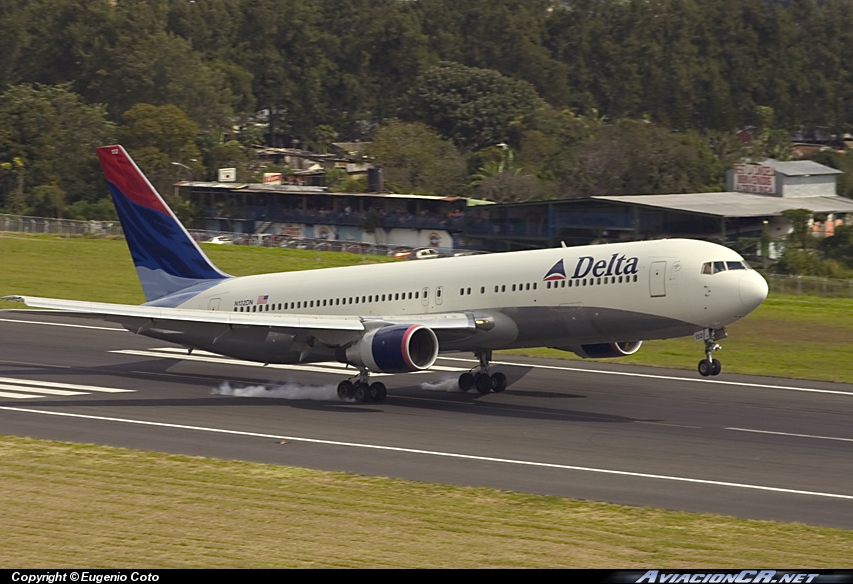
{"x": 753, "y": 290}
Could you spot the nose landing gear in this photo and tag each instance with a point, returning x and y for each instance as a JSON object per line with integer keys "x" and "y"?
{"x": 710, "y": 366}
{"x": 361, "y": 390}
{"x": 480, "y": 378}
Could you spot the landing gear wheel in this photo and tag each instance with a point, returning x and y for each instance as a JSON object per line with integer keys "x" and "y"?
{"x": 483, "y": 382}
{"x": 466, "y": 382}
{"x": 716, "y": 367}
{"x": 362, "y": 392}
{"x": 378, "y": 392}
{"x": 498, "y": 382}
{"x": 704, "y": 368}
{"x": 345, "y": 390}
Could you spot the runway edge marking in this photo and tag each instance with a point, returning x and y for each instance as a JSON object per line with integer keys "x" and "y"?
{"x": 666, "y": 377}
{"x": 434, "y": 453}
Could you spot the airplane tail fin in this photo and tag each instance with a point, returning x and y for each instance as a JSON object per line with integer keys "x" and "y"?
{"x": 166, "y": 257}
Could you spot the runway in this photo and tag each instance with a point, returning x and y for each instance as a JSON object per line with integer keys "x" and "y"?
{"x": 762, "y": 448}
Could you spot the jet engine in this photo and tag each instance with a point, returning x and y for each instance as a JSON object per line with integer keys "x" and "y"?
{"x": 393, "y": 349}
{"x": 605, "y": 350}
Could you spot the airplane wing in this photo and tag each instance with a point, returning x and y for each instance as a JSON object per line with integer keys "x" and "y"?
{"x": 329, "y": 329}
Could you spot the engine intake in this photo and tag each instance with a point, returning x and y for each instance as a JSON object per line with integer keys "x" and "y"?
{"x": 394, "y": 349}
{"x": 605, "y": 350}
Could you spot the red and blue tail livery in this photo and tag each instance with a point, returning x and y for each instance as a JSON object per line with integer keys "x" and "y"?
{"x": 166, "y": 257}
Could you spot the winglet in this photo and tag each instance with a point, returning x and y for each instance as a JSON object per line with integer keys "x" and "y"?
{"x": 166, "y": 257}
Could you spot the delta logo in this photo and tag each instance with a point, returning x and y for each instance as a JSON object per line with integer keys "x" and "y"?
{"x": 616, "y": 265}
{"x": 557, "y": 272}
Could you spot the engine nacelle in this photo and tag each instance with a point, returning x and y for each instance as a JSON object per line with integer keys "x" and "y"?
{"x": 394, "y": 349}
{"x": 605, "y": 350}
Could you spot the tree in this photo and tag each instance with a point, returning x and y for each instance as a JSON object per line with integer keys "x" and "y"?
{"x": 416, "y": 159}
{"x": 473, "y": 107}
{"x": 48, "y": 139}
{"x": 160, "y": 140}
{"x": 638, "y": 158}
{"x": 163, "y": 69}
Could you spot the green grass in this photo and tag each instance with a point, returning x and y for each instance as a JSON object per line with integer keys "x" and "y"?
{"x": 101, "y": 270}
{"x": 92, "y": 506}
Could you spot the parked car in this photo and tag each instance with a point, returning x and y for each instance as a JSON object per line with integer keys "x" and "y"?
{"x": 424, "y": 254}
{"x": 220, "y": 240}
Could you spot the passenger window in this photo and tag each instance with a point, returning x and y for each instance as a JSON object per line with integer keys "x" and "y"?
{"x": 503, "y": 288}
{"x": 513, "y": 287}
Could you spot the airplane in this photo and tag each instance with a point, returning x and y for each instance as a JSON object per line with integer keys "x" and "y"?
{"x": 597, "y": 301}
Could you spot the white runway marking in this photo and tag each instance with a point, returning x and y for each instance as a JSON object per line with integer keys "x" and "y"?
{"x": 40, "y": 390}
{"x": 510, "y": 461}
{"x": 789, "y": 434}
{"x": 27, "y": 389}
{"x": 666, "y": 377}
{"x": 95, "y": 388}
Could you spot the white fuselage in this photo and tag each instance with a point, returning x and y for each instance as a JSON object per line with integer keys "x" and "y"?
{"x": 604, "y": 293}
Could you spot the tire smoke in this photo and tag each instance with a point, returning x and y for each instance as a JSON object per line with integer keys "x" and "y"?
{"x": 451, "y": 385}
{"x": 286, "y": 391}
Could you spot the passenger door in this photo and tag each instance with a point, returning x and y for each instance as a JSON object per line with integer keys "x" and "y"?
{"x": 657, "y": 279}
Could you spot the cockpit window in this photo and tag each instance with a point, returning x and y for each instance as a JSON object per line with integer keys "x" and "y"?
{"x": 716, "y": 267}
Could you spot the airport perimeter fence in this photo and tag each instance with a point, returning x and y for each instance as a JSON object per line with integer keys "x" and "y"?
{"x": 47, "y": 225}
{"x": 782, "y": 284}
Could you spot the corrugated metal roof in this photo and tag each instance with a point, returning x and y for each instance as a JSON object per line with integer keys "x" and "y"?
{"x": 309, "y": 190}
{"x": 799, "y": 167}
{"x": 735, "y": 204}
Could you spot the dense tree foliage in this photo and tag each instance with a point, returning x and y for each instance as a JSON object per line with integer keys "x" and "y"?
{"x": 563, "y": 83}
{"x": 47, "y": 148}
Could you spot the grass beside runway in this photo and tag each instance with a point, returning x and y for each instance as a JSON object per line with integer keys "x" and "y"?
{"x": 799, "y": 337}
{"x": 92, "y": 506}
{"x": 803, "y": 337}
{"x": 101, "y": 270}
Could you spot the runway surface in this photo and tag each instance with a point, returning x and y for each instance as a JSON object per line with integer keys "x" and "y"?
{"x": 762, "y": 448}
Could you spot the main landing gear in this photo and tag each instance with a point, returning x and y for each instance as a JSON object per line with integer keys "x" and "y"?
{"x": 480, "y": 379}
{"x": 361, "y": 390}
{"x": 709, "y": 365}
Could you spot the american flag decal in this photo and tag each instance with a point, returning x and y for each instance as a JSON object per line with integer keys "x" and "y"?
{"x": 263, "y": 299}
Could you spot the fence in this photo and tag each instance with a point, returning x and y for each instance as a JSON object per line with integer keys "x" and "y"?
{"x": 807, "y": 285}
{"x": 20, "y": 224}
